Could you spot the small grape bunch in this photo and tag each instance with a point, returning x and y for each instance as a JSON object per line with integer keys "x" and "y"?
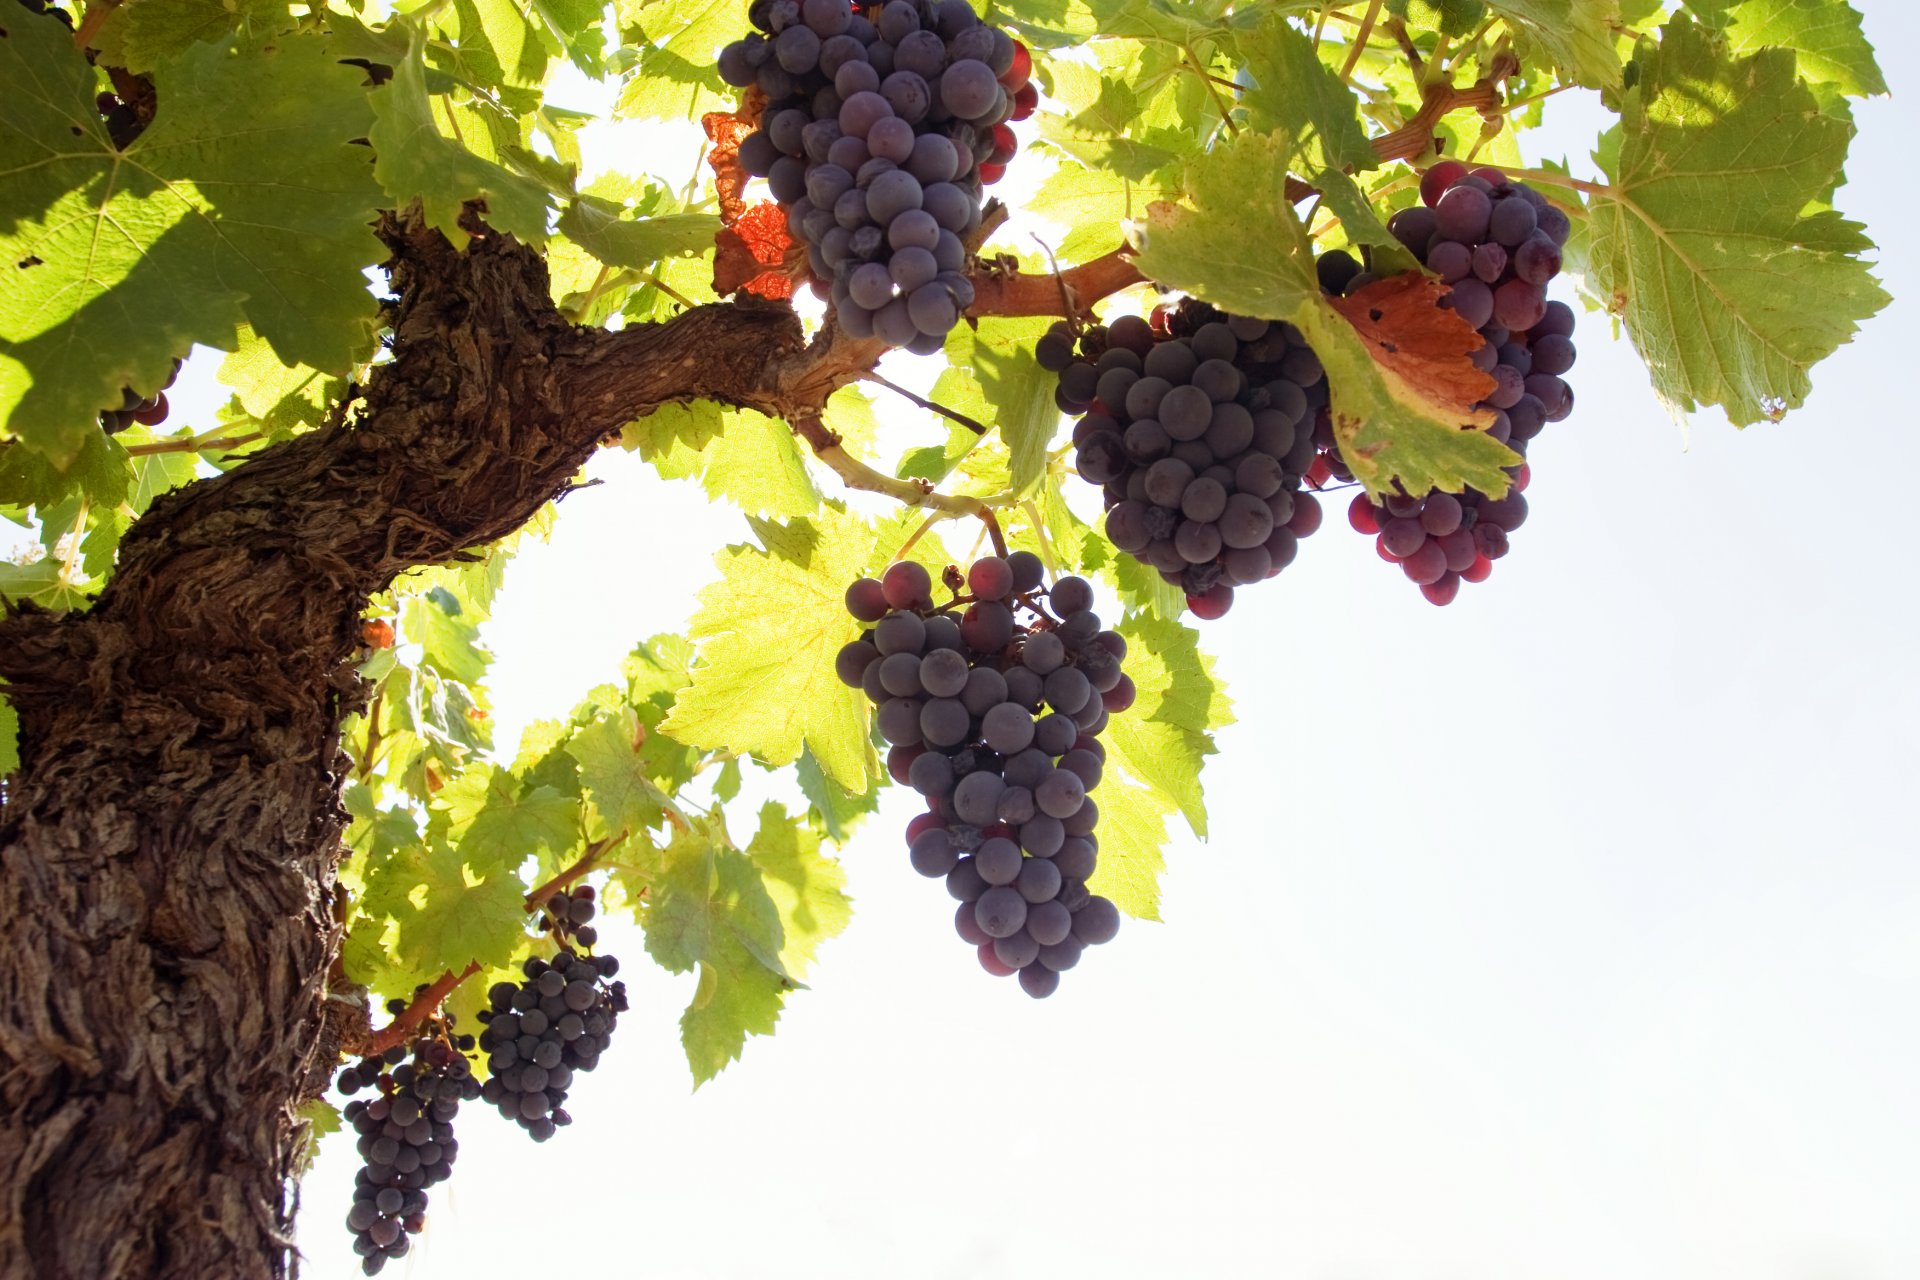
{"x": 553, "y": 1023}
{"x": 994, "y": 703}
{"x": 405, "y": 1135}
{"x": 148, "y": 411}
{"x": 1497, "y": 245}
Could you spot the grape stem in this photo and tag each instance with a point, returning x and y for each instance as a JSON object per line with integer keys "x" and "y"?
{"x": 856, "y": 474}
{"x": 934, "y": 406}
{"x": 98, "y": 11}
{"x": 993, "y": 532}
{"x": 537, "y": 897}
{"x": 1358, "y": 45}
{"x": 194, "y": 444}
{"x": 422, "y": 1007}
{"x": 1220, "y": 104}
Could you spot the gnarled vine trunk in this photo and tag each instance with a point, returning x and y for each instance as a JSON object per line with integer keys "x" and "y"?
{"x": 168, "y": 846}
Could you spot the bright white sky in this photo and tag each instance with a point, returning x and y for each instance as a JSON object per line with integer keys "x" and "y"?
{"x": 1568, "y": 931}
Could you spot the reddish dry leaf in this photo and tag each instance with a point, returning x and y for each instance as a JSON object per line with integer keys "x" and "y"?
{"x": 726, "y": 132}
{"x": 752, "y": 253}
{"x": 1408, "y": 331}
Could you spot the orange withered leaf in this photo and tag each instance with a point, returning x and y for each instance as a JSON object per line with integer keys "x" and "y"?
{"x": 1407, "y": 330}
{"x": 751, "y": 254}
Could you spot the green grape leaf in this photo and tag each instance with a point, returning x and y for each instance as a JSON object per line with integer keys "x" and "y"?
{"x": 143, "y": 36}
{"x": 707, "y": 909}
{"x": 117, "y": 261}
{"x": 283, "y": 397}
{"x": 748, "y": 459}
{"x": 768, "y": 632}
{"x": 9, "y": 737}
{"x": 1047, "y": 24}
{"x": 319, "y": 1118}
{"x": 808, "y": 890}
{"x": 1101, "y": 131}
{"x": 1730, "y": 291}
{"x": 1293, "y": 91}
{"x": 1240, "y": 246}
{"x": 1574, "y": 35}
{"x": 496, "y": 825}
{"x": 1165, "y": 738}
{"x": 832, "y": 806}
{"x": 996, "y": 355}
{"x": 413, "y": 159}
{"x": 99, "y": 472}
{"x": 460, "y": 914}
{"x": 613, "y": 771}
{"x": 1176, "y": 22}
{"x": 1133, "y": 837}
{"x": 154, "y": 473}
{"x": 1824, "y": 34}
{"x": 450, "y": 643}
{"x": 676, "y": 76}
{"x": 1092, "y": 204}
{"x": 46, "y": 582}
{"x": 598, "y": 226}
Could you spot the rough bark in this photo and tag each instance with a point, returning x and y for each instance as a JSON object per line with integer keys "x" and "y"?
{"x": 168, "y": 847}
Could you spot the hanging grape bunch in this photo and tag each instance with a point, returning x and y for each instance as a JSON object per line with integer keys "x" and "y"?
{"x": 406, "y": 1140}
{"x": 148, "y": 411}
{"x": 995, "y": 719}
{"x": 1498, "y": 244}
{"x": 1198, "y": 437}
{"x": 880, "y": 126}
{"x": 556, "y": 1021}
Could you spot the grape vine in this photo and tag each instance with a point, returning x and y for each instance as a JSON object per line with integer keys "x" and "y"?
{"x": 1289, "y": 255}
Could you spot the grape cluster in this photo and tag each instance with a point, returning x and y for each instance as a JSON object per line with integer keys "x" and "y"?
{"x": 406, "y": 1140}
{"x": 123, "y": 122}
{"x": 1498, "y": 244}
{"x": 1198, "y": 435}
{"x": 996, "y": 722}
{"x": 876, "y": 136}
{"x": 149, "y": 411}
{"x": 557, "y": 1020}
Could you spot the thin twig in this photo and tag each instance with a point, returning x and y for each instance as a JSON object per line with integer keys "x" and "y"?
{"x": 917, "y": 534}
{"x": 537, "y": 897}
{"x": 423, "y": 1006}
{"x": 1047, "y": 556}
{"x": 654, "y": 279}
{"x": 993, "y": 532}
{"x": 856, "y": 474}
{"x": 1518, "y": 104}
{"x": 195, "y": 444}
{"x": 373, "y": 732}
{"x": 1220, "y": 104}
{"x": 932, "y": 405}
{"x": 1360, "y": 38}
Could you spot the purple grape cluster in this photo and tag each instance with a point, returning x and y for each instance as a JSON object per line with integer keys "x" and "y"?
{"x": 876, "y": 137}
{"x": 556, "y": 1021}
{"x": 1497, "y": 243}
{"x": 406, "y": 1140}
{"x": 996, "y": 721}
{"x": 1198, "y": 436}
